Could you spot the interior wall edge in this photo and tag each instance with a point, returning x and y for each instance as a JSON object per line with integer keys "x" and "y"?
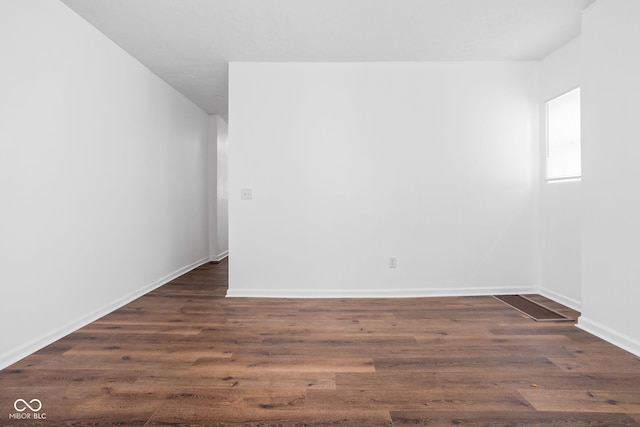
{"x": 33, "y": 346}
{"x": 619, "y": 340}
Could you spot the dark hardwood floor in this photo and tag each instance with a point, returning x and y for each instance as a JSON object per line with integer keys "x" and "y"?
{"x": 184, "y": 355}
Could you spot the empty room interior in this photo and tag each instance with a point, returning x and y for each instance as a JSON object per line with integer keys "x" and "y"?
{"x": 302, "y": 212}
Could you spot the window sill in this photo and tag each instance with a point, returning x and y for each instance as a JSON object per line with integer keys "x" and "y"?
{"x": 569, "y": 179}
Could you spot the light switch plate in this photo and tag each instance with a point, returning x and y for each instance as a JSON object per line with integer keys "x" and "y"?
{"x": 246, "y": 194}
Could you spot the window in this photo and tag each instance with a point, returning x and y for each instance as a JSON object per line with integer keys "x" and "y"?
{"x": 563, "y": 137}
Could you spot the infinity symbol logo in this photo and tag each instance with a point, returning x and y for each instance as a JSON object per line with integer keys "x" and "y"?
{"x": 27, "y": 405}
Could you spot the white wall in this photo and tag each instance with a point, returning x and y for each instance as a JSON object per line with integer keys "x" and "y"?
{"x": 560, "y": 202}
{"x": 222, "y": 188}
{"x": 213, "y": 188}
{"x": 353, "y": 163}
{"x": 218, "y": 189}
{"x": 611, "y": 151}
{"x": 102, "y": 177}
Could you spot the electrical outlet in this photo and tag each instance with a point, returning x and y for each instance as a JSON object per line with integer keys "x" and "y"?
{"x": 393, "y": 262}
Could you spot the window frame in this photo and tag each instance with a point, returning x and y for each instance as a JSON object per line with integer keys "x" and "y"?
{"x": 547, "y": 145}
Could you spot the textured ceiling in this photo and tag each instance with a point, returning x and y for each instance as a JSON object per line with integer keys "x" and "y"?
{"x": 189, "y": 43}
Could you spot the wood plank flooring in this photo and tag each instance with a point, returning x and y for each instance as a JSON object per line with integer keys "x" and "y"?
{"x": 184, "y": 355}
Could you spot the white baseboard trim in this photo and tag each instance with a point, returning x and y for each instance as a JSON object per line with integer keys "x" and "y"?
{"x": 219, "y": 257}
{"x": 23, "y": 351}
{"x": 620, "y": 340}
{"x": 375, "y": 293}
{"x": 562, "y": 299}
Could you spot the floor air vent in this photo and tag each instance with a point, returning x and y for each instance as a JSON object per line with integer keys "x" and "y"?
{"x": 532, "y": 309}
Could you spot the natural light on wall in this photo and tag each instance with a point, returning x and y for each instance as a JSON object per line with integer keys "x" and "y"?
{"x": 563, "y": 137}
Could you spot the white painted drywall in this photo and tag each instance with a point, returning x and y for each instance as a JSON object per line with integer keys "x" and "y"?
{"x": 102, "y": 177}
{"x": 218, "y": 189}
{"x": 560, "y": 202}
{"x": 353, "y": 163}
{"x": 213, "y": 188}
{"x": 611, "y": 185}
{"x": 222, "y": 186}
